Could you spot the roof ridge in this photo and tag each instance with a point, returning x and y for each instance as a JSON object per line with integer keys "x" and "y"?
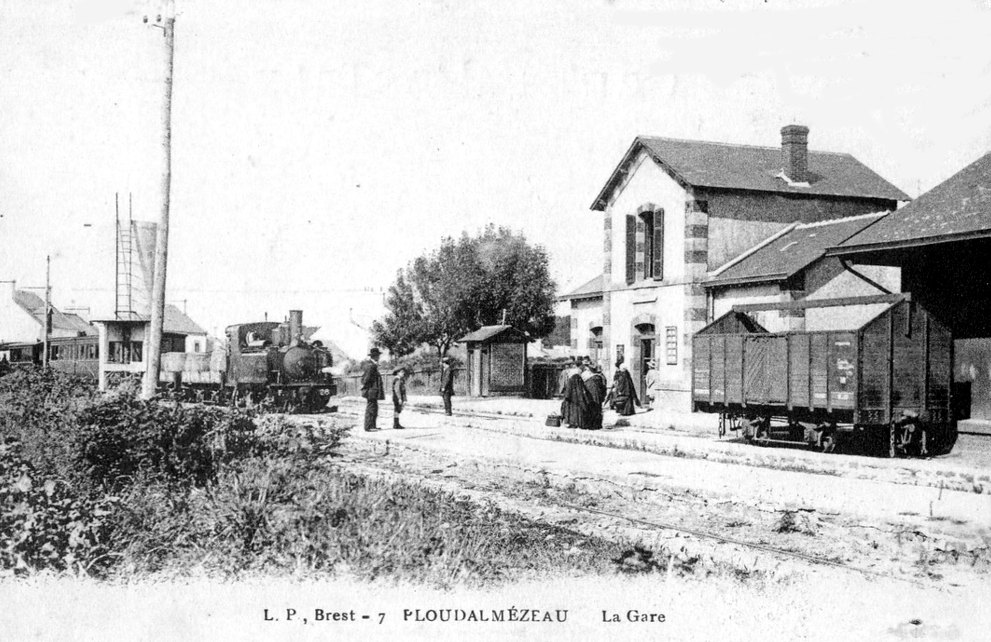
{"x": 725, "y": 144}
{"x": 844, "y": 219}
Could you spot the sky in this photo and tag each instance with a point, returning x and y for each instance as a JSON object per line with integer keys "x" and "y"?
{"x": 319, "y": 146}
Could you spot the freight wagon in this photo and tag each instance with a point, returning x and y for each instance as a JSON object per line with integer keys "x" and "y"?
{"x": 882, "y": 385}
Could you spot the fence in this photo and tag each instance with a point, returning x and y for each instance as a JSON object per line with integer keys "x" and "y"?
{"x": 542, "y": 382}
{"x": 419, "y": 382}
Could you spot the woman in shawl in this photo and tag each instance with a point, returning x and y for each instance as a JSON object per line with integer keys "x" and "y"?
{"x": 624, "y": 392}
{"x": 576, "y": 400}
{"x": 595, "y": 384}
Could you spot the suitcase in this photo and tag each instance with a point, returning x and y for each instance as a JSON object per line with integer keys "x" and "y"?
{"x": 553, "y": 420}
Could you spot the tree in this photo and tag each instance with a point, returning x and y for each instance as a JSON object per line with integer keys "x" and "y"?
{"x": 400, "y": 331}
{"x": 465, "y": 284}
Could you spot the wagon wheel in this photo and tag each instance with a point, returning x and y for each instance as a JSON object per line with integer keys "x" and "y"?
{"x": 827, "y": 441}
{"x": 762, "y": 433}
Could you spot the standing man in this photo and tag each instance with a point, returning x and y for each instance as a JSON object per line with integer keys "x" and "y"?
{"x": 651, "y": 382}
{"x": 371, "y": 388}
{"x": 446, "y": 384}
{"x": 398, "y": 396}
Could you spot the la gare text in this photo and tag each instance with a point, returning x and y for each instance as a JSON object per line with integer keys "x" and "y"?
{"x": 633, "y": 615}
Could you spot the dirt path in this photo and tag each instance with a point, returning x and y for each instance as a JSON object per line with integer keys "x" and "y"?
{"x": 725, "y": 515}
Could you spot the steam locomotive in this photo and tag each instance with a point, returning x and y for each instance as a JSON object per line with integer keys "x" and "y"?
{"x": 264, "y": 363}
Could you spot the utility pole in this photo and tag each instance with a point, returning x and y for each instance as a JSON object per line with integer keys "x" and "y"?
{"x": 162, "y": 237}
{"x": 48, "y": 309}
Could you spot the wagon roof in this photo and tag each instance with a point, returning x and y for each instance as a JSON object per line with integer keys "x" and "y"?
{"x": 785, "y": 254}
{"x": 733, "y": 318}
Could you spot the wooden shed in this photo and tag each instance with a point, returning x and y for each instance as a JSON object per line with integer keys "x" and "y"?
{"x": 496, "y": 361}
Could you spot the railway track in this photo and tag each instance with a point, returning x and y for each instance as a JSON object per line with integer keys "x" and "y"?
{"x": 375, "y": 462}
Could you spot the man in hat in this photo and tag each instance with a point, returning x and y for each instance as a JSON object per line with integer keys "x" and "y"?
{"x": 398, "y": 395}
{"x": 371, "y": 388}
{"x": 446, "y": 384}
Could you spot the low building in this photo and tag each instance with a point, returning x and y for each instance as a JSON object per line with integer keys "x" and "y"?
{"x": 22, "y": 319}
{"x": 496, "y": 360}
{"x": 941, "y": 241}
{"x": 792, "y": 265}
{"x": 585, "y": 317}
{"x": 123, "y": 341}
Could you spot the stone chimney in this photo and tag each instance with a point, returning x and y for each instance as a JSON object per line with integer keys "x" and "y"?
{"x": 795, "y": 152}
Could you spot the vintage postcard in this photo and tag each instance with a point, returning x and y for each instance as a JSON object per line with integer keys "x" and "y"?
{"x": 577, "y": 320}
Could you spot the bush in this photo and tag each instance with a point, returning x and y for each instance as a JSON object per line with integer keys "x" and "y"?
{"x": 119, "y": 437}
{"x": 45, "y": 524}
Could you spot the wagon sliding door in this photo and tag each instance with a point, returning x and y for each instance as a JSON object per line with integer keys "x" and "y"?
{"x": 765, "y": 372}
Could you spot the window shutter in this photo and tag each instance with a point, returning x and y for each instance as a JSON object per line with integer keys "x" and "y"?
{"x": 659, "y": 245}
{"x": 631, "y": 248}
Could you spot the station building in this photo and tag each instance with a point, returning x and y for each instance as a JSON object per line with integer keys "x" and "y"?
{"x": 675, "y": 211}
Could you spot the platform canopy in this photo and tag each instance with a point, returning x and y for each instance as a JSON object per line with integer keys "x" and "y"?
{"x": 942, "y": 243}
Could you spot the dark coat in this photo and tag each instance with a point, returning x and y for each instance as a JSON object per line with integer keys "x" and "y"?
{"x": 371, "y": 381}
{"x": 576, "y": 402}
{"x": 398, "y": 391}
{"x": 446, "y": 379}
{"x": 624, "y": 392}
{"x": 595, "y": 384}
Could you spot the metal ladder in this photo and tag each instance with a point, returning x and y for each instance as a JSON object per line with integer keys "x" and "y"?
{"x": 123, "y": 303}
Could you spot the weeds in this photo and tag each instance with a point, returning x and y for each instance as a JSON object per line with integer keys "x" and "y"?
{"x": 112, "y": 485}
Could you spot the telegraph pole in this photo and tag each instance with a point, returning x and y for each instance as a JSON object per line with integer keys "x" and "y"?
{"x": 48, "y": 308}
{"x": 162, "y": 236}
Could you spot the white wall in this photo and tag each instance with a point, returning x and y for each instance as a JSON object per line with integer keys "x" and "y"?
{"x": 725, "y": 298}
{"x": 584, "y": 313}
{"x": 15, "y": 323}
{"x": 193, "y": 339}
{"x": 648, "y": 183}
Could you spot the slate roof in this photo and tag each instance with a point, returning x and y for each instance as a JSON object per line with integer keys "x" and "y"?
{"x": 35, "y": 306}
{"x": 588, "y": 290}
{"x": 175, "y": 321}
{"x": 487, "y": 332}
{"x": 752, "y": 168}
{"x": 792, "y": 251}
{"x": 959, "y": 208}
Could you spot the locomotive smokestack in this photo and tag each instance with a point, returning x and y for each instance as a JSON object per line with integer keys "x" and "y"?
{"x": 295, "y": 327}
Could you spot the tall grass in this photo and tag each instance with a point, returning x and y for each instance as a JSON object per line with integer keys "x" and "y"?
{"x": 112, "y": 486}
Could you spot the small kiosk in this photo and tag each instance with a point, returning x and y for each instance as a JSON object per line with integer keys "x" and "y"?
{"x": 496, "y": 361}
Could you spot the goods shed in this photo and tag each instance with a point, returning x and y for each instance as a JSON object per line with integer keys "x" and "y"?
{"x": 496, "y": 360}
{"x": 942, "y": 241}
